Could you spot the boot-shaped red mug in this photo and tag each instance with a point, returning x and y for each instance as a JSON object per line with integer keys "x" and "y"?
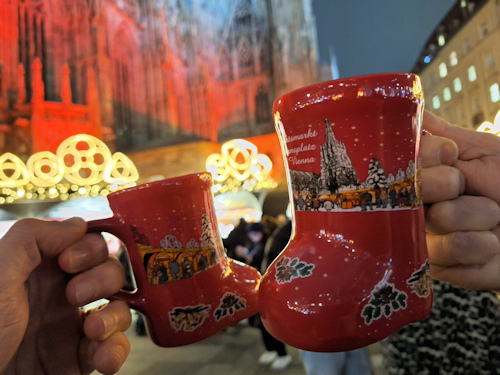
{"x": 356, "y": 267}
{"x": 187, "y": 288}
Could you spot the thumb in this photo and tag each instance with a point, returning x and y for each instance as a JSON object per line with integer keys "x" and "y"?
{"x": 28, "y": 241}
{"x": 471, "y": 144}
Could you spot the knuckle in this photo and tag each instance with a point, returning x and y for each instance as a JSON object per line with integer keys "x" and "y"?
{"x": 459, "y": 244}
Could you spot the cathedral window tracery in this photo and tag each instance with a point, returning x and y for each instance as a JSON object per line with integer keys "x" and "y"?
{"x": 147, "y": 56}
{"x": 245, "y": 59}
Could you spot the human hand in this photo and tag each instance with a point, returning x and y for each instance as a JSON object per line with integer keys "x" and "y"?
{"x": 462, "y": 231}
{"x": 42, "y": 330}
{"x": 242, "y": 252}
{"x": 478, "y": 156}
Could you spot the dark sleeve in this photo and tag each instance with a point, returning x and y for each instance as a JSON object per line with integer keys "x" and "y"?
{"x": 258, "y": 257}
{"x": 279, "y": 241}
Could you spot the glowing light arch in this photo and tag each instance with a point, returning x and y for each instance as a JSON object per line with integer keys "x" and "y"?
{"x": 240, "y": 166}
{"x": 82, "y": 166}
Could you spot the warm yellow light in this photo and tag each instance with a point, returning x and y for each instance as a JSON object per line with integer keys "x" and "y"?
{"x": 18, "y": 175}
{"x": 239, "y": 164}
{"x": 44, "y": 169}
{"x": 488, "y": 127}
{"x": 90, "y": 166}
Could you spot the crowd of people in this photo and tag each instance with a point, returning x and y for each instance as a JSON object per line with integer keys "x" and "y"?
{"x": 256, "y": 244}
{"x": 49, "y": 269}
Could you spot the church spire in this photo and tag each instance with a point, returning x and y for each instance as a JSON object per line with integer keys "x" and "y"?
{"x": 329, "y": 135}
{"x": 336, "y": 166}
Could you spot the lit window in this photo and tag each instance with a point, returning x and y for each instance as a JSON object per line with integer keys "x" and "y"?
{"x": 443, "y": 71}
{"x": 447, "y": 94}
{"x": 441, "y": 40}
{"x": 457, "y": 84}
{"x": 436, "y": 103}
{"x": 472, "y": 73}
{"x": 453, "y": 58}
{"x": 495, "y": 93}
{"x": 490, "y": 63}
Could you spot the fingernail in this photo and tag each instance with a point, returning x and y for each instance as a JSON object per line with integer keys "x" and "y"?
{"x": 448, "y": 154}
{"x": 74, "y": 221}
{"x": 77, "y": 258}
{"x": 109, "y": 321}
{"x": 84, "y": 291}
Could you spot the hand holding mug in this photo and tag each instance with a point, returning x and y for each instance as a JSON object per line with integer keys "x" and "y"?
{"x": 42, "y": 328}
{"x": 463, "y": 232}
{"x": 187, "y": 287}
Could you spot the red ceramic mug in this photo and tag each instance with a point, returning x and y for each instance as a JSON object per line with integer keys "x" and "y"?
{"x": 356, "y": 267}
{"x": 187, "y": 288}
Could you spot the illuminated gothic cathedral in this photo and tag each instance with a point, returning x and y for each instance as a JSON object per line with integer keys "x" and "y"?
{"x": 148, "y": 73}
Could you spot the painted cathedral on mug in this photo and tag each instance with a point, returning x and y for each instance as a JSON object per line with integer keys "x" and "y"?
{"x": 338, "y": 188}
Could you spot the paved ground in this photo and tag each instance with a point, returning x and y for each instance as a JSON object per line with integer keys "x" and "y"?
{"x": 232, "y": 352}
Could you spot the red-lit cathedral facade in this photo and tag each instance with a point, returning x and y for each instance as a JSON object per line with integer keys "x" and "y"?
{"x": 145, "y": 75}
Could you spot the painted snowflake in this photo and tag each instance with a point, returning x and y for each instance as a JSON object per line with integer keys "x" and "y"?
{"x": 384, "y": 301}
{"x": 288, "y": 269}
{"x": 420, "y": 281}
{"x": 230, "y": 303}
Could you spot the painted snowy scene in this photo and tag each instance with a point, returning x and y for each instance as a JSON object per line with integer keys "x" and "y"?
{"x": 173, "y": 260}
{"x": 338, "y": 188}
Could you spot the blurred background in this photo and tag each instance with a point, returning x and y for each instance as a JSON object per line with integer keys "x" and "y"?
{"x": 100, "y": 95}
{"x": 168, "y": 87}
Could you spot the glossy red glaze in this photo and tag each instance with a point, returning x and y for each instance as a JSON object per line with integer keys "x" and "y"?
{"x": 350, "y": 277}
{"x": 187, "y": 288}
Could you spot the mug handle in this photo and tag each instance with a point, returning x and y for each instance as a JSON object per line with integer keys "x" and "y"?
{"x": 113, "y": 226}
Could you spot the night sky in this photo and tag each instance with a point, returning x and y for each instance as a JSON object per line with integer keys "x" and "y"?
{"x": 373, "y": 36}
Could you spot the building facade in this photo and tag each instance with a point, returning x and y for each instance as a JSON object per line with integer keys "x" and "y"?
{"x": 460, "y": 64}
{"x": 157, "y": 72}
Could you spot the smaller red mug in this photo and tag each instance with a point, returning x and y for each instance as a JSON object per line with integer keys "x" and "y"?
{"x": 187, "y": 288}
